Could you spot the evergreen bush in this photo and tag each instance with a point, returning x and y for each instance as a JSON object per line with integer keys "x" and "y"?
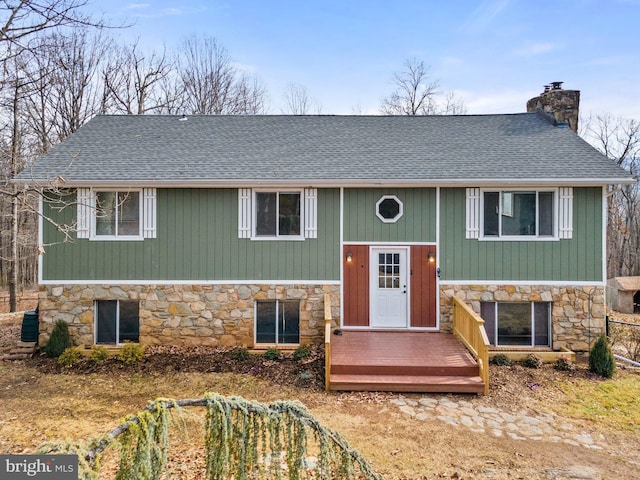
{"x": 303, "y": 351}
{"x": 271, "y": 354}
{"x": 58, "y": 341}
{"x": 601, "y": 359}
{"x": 501, "y": 360}
{"x": 532, "y": 361}
{"x": 240, "y": 354}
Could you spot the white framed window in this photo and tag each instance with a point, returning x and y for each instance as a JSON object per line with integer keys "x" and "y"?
{"x": 277, "y": 214}
{"x": 111, "y": 214}
{"x": 518, "y": 214}
{"x": 389, "y": 209}
{"x": 116, "y": 321}
{"x": 517, "y": 324}
{"x": 277, "y": 322}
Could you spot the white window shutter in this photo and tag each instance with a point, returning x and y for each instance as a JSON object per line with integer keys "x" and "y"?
{"x": 310, "y": 213}
{"x": 149, "y": 212}
{"x": 244, "y": 213}
{"x": 84, "y": 212}
{"x": 565, "y": 213}
{"x": 473, "y": 212}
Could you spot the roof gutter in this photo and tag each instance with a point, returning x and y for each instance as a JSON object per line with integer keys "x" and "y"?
{"x": 331, "y": 183}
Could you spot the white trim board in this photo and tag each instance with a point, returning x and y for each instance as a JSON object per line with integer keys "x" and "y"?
{"x": 189, "y": 282}
{"x": 551, "y": 283}
{"x": 385, "y": 244}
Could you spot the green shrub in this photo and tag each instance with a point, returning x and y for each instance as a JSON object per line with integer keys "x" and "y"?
{"x": 601, "y": 359}
{"x": 303, "y": 351}
{"x": 240, "y": 354}
{"x": 69, "y": 357}
{"x": 271, "y": 354}
{"x": 501, "y": 360}
{"x": 131, "y": 353}
{"x": 564, "y": 365}
{"x": 58, "y": 341}
{"x": 532, "y": 361}
{"x": 98, "y": 354}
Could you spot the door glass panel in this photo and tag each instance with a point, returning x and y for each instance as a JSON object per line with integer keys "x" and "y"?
{"x": 389, "y": 270}
{"x": 289, "y": 322}
{"x": 266, "y": 322}
{"x": 106, "y": 321}
{"x": 514, "y": 323}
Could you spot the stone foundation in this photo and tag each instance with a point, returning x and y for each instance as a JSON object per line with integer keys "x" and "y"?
{"x": 212, "y": 315}
{"x": 577, "y": 316}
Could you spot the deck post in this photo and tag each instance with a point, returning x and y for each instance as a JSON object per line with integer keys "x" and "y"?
{"x": 469, "y": 328}
{"x": 327, "y": 341}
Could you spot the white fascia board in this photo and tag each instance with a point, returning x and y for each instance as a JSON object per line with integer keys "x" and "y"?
{"x": 337, "y": 183}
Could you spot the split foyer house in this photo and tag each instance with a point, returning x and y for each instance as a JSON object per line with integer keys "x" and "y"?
{"x": 232, "y": 230}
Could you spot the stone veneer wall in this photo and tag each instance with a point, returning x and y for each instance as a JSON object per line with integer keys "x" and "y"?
{"x": 571, "y": 326}
{"x": 215, "y": 315}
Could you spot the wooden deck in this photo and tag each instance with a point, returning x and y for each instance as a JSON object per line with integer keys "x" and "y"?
{"x": 402, "y": 361}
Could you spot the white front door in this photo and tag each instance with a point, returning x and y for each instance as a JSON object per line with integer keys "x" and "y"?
{"x": 389, "y": 291}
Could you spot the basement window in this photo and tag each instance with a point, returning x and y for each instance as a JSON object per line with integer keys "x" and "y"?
{"x": 116, "y": 321}
{"x": 277, "y": 322}
{"x": 517, "y": 324}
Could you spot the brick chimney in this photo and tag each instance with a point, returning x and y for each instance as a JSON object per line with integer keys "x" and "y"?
{"x": 562, "y": 104}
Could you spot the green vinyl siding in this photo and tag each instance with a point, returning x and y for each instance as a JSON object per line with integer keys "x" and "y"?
{"x": 575, "y": 259}
{"x": 417, "y": 224}
{"x": 197, "y": 239}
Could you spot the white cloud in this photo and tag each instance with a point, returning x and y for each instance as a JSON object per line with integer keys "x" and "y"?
{"x": 536, "y": 49}
{"x": 137, "y": 6}
{"x": 484, "y": 14}
{"x": 507, "y": 101}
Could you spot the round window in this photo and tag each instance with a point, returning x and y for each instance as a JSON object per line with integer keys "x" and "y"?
{"x": 389, "y": 209}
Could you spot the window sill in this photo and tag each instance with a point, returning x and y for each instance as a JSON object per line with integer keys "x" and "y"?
{"x": 114, "y": 238}
{"x": 519, "y": 239}
{"x": 281, "y": 239}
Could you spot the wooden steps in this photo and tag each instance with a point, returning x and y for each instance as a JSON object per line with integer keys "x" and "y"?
{"x": 402, "y": 361}
{"x": 408, "y": 383}
{"x": 22, "y": 351}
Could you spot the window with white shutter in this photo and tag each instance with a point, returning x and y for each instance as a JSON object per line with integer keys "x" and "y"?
{"x": 473, "y": 212}
{"x": 565, "y": 214}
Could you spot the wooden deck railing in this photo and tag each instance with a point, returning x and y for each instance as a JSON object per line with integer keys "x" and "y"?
{"x": 469, "y": 328}
{"x": 327, "y": 341}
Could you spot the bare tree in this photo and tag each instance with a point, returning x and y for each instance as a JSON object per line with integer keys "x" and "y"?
{"x": 212, "y": 83}
{"x": 298, "y": 101}
{"x": 139, "y": 83}
{"x": 21, "y": 23}
{"x": 619, "y": 140}
{"x": 416, "y": 93}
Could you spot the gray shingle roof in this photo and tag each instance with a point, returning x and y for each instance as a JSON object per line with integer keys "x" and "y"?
{"x": 323, "y": 150}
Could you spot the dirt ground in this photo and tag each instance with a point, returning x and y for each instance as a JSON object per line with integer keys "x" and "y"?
{"x": 42, "y": 401}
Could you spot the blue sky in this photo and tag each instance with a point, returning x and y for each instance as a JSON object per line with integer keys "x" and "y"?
{"x": 495, "y": 54}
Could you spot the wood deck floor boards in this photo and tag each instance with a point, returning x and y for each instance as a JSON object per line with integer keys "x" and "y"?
{"x": 402, "y": 361}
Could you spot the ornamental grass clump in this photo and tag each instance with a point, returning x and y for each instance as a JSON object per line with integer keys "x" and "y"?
{"x": 601, "y": 359}
{"x": 59, "y": 340}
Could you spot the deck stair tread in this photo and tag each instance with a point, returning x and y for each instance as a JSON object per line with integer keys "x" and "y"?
{"x": 408, "y": 383}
